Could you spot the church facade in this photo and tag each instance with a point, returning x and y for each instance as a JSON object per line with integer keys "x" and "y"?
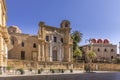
{"x": 51, "y": 44}
{"x": 105, "y": 51}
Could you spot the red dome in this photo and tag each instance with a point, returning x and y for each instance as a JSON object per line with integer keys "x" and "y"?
{"x": 99, "y": 41}
{"x": 106, "y": 41}
{"x": 94, "y": 40}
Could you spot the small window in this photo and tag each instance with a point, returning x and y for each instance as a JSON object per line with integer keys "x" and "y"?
{"x": 34, "y": 45}
{"x": 22, "y": 55}
{"x": 47, "y": 38}
{"x": 22, "y": 44}
{"x": 98, "y": 49}
{"x": 62, "y": 40}
{"x": 55, "y": 39}
{"x": 66, "y": 25}
{"x": 105, "y": 50}
{"x": 12, "y": 42}
{"x": 112, "y": 50}
{"x": 111, "y": 57}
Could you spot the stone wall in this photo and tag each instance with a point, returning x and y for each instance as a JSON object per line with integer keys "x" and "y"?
{"x": 16, "y": 47}
{"x": 25, "y": 64}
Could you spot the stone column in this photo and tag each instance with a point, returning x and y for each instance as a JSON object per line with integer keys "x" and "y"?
{"x": 66, "y": 53}
{"x": 39, "y": 52}
{"x": 60, "y": 56}
{"x": 43, "y": 54}
{"x": 46, "y": 52}
{"x": 50, "y": 52}
{"x": 6, "y": 57}
{"x": 1, "y": 54}
{"x": 62, "y": 53}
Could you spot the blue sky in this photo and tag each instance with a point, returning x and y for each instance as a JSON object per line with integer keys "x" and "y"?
{"x": 93, "y": 18}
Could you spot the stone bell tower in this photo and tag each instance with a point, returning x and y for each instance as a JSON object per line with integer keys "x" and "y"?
{"x": 41, "y": 40}
{"x": 68, "y": 42}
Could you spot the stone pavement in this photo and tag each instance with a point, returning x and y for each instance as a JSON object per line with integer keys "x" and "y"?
{"x": 99, "y": 75}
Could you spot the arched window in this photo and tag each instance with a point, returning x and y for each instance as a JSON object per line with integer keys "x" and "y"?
{"x": 34, "y": 45}
{"x": 12, "y": 41}
{"x": 112, "y": 50}
{"x": 22, "y": 55}
{"x": 105, "y": 50}
{"x": 22, "y": 44}
{"x": 55, "y": 39}
{"x": 98, "y": 49}
{"x": 62, "y": 40}
{"x": 47, "y": 38}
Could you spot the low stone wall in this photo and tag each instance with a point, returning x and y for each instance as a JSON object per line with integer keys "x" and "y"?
{"x": 16, "y": 64}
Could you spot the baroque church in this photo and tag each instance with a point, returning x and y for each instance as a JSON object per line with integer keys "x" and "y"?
{"x": 50, "y": 44}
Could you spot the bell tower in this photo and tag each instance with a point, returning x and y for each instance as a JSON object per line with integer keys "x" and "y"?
{"x": 65, "y": 24}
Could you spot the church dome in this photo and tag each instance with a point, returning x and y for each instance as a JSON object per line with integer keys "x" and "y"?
{"x": 14, "y": 29}
{"x": 99, "y": 41}
{"x": 94, "y": 40}
{"x": 106, "y": 41}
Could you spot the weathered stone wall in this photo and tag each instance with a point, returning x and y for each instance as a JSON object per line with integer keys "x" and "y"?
{"x": 26, "y": 64}
{"x": 15, "y": 46}
{"x": 104, "y": 52}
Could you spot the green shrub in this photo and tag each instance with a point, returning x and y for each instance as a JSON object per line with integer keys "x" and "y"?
{"x": 71, "y": 70}
{"x": 40, "y": 70}
{"x": 52, "y": 70}
{"x": 21, "y": 70}
{"x": 62, "y": 70}
{"x": 59, "y": 70}
{"x": 30, "y": 69}
{"x": 8, "y": 68}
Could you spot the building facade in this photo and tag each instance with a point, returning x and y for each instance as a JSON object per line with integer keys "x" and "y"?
{"x": 105, "y": 51}
{"x": 4, "y": 36}
{"x": 51, "y": 44}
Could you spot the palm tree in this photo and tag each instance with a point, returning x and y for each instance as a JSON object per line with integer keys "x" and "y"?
{"x": 91, "y": 56}
{"x": 77, "y": 53}
{"x": 77, "y": 37}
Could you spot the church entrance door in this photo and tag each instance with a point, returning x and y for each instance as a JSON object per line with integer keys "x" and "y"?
{"x": 54, "y": 55}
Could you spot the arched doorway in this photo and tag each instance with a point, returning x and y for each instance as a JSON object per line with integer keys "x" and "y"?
{"x": 54, "y": 55}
